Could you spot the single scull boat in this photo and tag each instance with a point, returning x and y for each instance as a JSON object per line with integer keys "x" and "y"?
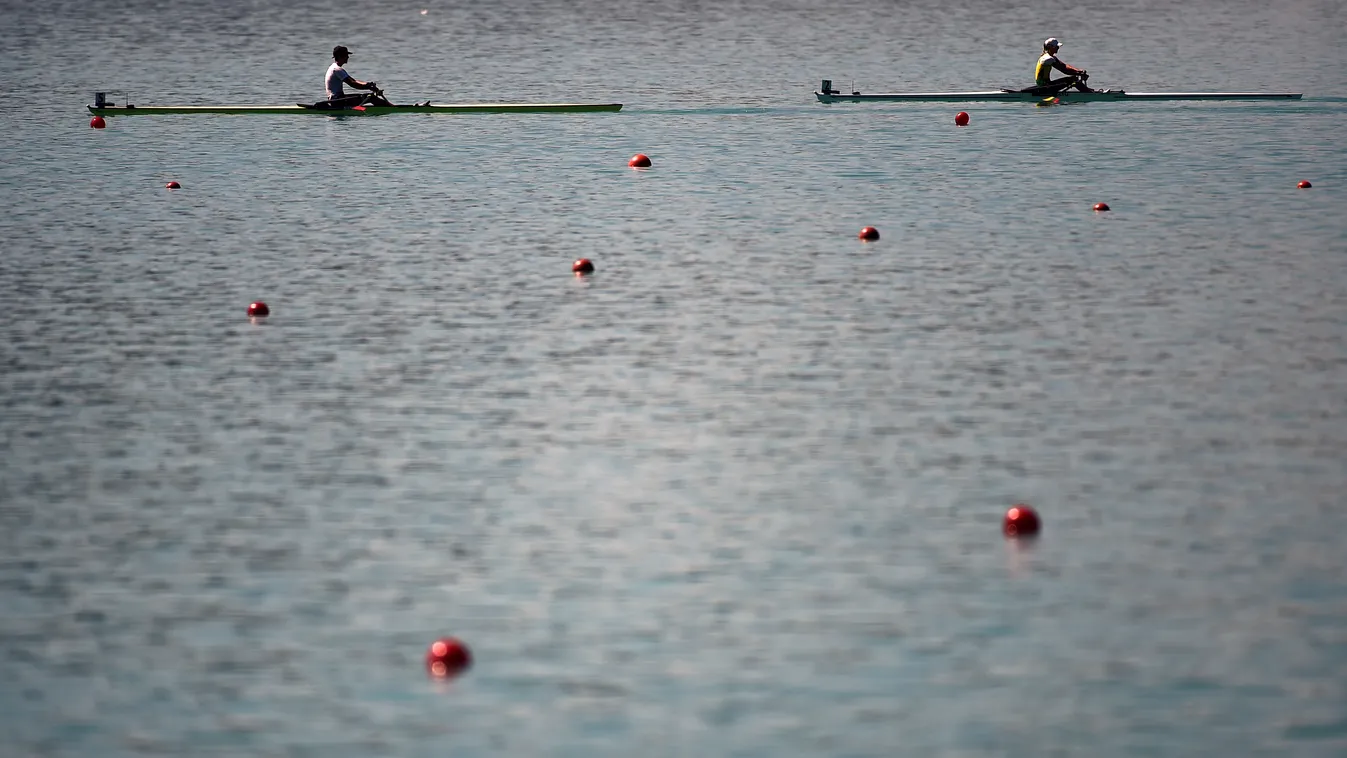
{"x": 830, "y": 95}
{"x": 103, "y": 108}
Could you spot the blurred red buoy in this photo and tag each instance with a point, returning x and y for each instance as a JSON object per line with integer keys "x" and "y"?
{"x": 447, "y": 657}
{"x": 1020, "y": 521}
{"x": 869, "y": 234}
{"x": 258, "y": 308}
{"x": 1304, "y": 184}
{"x": 1101, "y": 206}
{"x": 639, "y": 160}
{"x": 173, "y": 185}
{"x": 583, "y": 266}
{"x": 961, "y": 119}
{"x": 97, "y": 122}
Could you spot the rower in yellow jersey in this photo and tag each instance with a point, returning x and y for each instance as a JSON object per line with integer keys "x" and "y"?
{"x": 1075, "y": 77}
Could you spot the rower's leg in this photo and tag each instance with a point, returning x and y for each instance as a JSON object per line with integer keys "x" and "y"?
{"x": 343, "y": 102}
{"x": 1051, "y": 88}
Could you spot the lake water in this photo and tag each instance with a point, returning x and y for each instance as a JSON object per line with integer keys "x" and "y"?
{"x": 738, "y": 492}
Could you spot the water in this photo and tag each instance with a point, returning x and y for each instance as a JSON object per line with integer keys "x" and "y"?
{"x": 738, "y": 492}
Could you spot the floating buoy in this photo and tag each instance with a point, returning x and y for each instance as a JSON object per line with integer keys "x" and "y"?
{"x": 447, "y": 657}
{"x": 1101, "y": 206}
{"x": 639, "y": 160}
{"x": 1304, "y": 184}
{"x": 583, "y": 266}
{"x": 172, "y": 185}
{"x": 1020, "y": 521}
{"x": 869, "y": 234}
{"x": 97, "y": 122}
{"x": 961, "y": 119}
{"x": 258, "y": 308}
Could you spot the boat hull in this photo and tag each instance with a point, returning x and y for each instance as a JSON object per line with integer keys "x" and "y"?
{"x": 1072, "y": 97}
{"x": 369, "y": 110}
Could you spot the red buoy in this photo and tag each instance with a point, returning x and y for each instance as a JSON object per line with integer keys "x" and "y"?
{"x": 97, "y": 122}
{"x": 173, "y": 185}
{"x": 1101, "y": 206}
{"x": 961, "y": 119}
{"x": 639, "y": 160}
{"x": 583, "y": 266}
{"x": 258, "y": 308}
{"x": 1304, "y": 184}
{"x": 869, "y": 234}
{"x": 1020, "y": 521}
{"x": 447, "y": 657}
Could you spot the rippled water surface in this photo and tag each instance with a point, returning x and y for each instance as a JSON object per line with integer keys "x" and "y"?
{"x": 739, "y": 491}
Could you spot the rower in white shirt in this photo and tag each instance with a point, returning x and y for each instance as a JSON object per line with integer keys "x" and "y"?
{"x": 336, "y": 76}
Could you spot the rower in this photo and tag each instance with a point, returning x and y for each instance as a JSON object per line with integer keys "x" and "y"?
{"x": 1076, "y": 77}
{"x": 336, "y": 75}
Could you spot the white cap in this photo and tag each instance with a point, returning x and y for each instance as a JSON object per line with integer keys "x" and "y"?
{"x": 1051, "y": 42}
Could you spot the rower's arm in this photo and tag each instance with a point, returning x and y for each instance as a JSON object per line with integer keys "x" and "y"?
{"x": 1065, "y": 69}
